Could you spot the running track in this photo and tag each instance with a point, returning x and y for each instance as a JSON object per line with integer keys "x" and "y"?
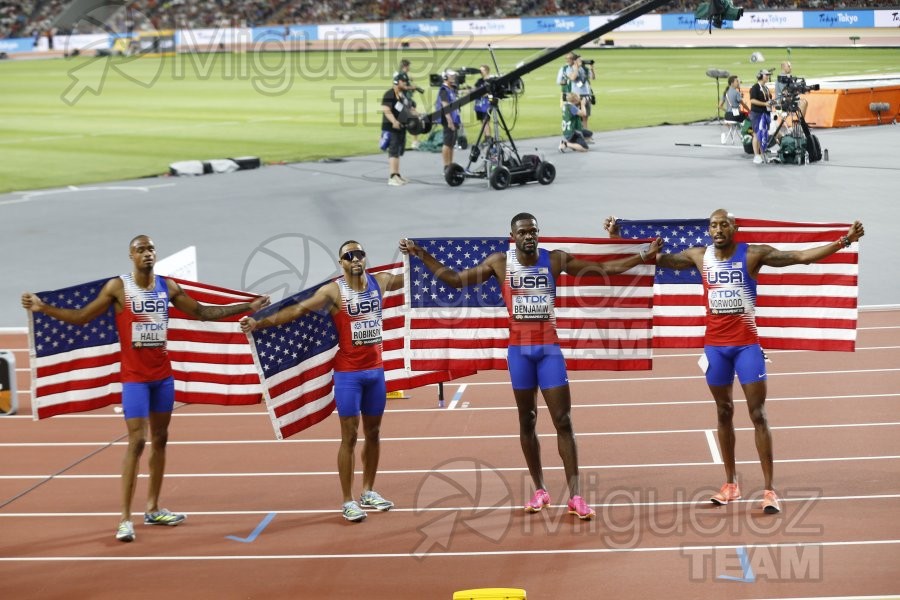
{"x": 264, "y": 521}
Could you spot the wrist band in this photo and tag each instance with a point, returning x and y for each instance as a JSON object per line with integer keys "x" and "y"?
{"x": 843, "y": 241}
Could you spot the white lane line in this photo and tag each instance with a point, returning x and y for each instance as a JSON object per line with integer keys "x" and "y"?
{"x": 441, "y": 438}
{"x": 713, "y": 447}
{"x": 262, "y": 413}
{"x": 432, "y": 471}
{"x": 515, "y": 508}
{"x": 442, "y": 554}
{"x": 457, "y": 396}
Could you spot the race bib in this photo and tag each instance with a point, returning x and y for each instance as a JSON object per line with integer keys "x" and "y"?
{"x": 148, "y": 335}
{"x": 532, "y": 307}
{"x": 727, "y": 301}
{"x": 365, "y": 332}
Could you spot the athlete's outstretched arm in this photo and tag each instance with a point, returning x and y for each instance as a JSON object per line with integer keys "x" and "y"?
{"x": 772, "y": 257}
{"x": 110, "y": 293}
{"x": 325, "y": 297}
{"x": 577, "y": 266}
{"x": 206, "y": 312}
{"x": 491, "y": 266}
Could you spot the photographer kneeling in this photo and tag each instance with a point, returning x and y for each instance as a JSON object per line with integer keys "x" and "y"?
{"x": 575, "y": 137}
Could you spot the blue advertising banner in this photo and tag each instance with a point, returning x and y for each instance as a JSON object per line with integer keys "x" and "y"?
{"x": 555, "y": 25}
{"x": 838, "y": 18}
{"x": 17, "y": 45}
{"x": 401, "y": 29}
{"x": 687, "y": 22}
{"x": 286, "y": 33}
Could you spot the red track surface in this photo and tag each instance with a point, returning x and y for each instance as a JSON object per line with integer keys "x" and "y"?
{"x": 458, "y": 478}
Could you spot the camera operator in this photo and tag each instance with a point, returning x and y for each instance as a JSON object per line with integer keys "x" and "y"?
{"x": 575, "y": 136}
{"x": 787, "y": 80}
{"x": 403, "y": 74}
{"x": 482, "y": 105}
{"x": 761, "y": 103}
{"x": 396, "y": 111}
{"x": 451, "y": 121}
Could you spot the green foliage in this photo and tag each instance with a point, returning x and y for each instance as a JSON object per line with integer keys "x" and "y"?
{"x": 73, "y": 121}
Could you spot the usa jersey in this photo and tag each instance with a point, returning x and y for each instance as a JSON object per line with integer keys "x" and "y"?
{"x": 143, "y": 328}
{"x": 730, "y": 294}
{"x": 358, "y": 321}
{"x": 530, "y": 295}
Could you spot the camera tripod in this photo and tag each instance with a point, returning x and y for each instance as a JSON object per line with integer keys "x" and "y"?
{"x": 502, "y": 164}
{"x": 798, "y": 129}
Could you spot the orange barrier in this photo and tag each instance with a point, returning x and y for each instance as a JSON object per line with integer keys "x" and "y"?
{"x": 848, "y": 107}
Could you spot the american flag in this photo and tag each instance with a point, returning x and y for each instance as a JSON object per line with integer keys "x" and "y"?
{"x": 75, "y": 368}
{"x": 603, "y": 323}
{"x": 295, "y": 360}
{"x": 802, "y": 307}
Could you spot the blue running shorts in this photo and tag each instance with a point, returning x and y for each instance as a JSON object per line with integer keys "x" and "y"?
{"x": 360, "y": 391}
{"x": 139, "y": 399}
{"x": 748, "y": 362}
{"x": 536, "y": 366}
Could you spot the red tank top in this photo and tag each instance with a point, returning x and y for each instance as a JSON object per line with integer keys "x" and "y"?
{"x": 358, "y": 322}
{"x": 530, "y": 294}
{"x": 730, "y": 294}
{"x": 143, "y": 327}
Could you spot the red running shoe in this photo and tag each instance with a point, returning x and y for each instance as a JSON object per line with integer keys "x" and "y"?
{"x": 540, "y": 499}
{"x": 729, "y": 492}
{"x": 770, "y": 502}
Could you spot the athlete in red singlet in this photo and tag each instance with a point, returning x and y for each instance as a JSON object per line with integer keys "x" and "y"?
{"x": 354, "y": 302}
{"x": 141, "y": 300}
{"x": 535, "y": 360}
{"x": 731, "y": 344}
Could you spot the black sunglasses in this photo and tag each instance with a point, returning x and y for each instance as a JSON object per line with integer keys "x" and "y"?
{"x": 349, "y": 256}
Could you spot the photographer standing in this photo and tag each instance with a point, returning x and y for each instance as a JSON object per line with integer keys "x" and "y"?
{"x": 483, "y": 105}
{"x": 403, "y": 74}
{"x": 451, "y": 120}
{"x": 781, "y": 83}
{"x": 574, "y": 76}
{"x": 396, "y": 110}
{"x": 761, "y": 103}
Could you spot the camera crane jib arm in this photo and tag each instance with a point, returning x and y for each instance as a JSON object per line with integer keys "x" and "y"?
{"x": 501, "y": 86}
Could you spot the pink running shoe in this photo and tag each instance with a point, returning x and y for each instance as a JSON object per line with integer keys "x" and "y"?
{"x": 577, "y": 506}
{"x": 729, "y": 492}
{"x": 770, "y": 503}
{"x": 540, "y": 499}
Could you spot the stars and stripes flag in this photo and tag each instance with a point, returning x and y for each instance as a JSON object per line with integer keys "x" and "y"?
{"x": 801, "y": 307}
{"x": 295, "y": 360}
{"x": 75, "y": 368}
{"x": 603, "y": 323}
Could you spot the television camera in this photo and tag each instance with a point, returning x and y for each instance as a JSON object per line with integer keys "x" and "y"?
{"x": 792, "y": 88}
{"x": 718, "y": 11}
{"x": 437, "y": 79}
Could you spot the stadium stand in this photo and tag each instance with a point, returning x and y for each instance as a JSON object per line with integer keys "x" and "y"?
{"x": 27, "y": 18}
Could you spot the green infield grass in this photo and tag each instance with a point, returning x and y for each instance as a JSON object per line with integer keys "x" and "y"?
{"x": 83, "y": 120}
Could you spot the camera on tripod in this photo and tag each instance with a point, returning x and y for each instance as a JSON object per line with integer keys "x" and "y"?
{"x": 437, "y": 79}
